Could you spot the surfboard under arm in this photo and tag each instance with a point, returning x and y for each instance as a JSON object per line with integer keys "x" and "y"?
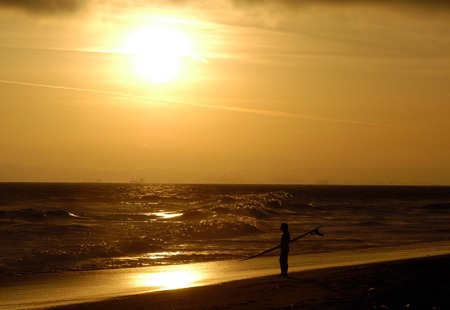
{"x": 312, "y": 231}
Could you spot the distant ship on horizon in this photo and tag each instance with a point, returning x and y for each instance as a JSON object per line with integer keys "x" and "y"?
{"x": 92, "y": 181}
{"x": 137, "y": 181}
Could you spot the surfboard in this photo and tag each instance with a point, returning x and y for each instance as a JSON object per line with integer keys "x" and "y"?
{"x": 314, "y": 231}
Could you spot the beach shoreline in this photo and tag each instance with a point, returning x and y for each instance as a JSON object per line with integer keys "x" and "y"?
{"x": 314, "y": 279}
{"x": 418, "y": 283}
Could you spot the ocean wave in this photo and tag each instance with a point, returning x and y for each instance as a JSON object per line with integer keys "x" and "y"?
{"x": 137, "y": 247}
{"x": 250, "y": 210}
{"x": 437, "y": 206}
{"x": 371, "y": 223}
{"x": 192, "y": 215}
{"x": 257, "y": 206}
{"x": 30, "y": 214}
{"x": 224, "y": 227}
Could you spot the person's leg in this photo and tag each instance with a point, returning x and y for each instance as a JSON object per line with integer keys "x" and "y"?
{"x": 284, "y": 263}
{"x": 286, "y": 266}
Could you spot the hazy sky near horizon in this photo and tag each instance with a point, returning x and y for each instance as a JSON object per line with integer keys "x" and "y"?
{"x": 225, "y": 91}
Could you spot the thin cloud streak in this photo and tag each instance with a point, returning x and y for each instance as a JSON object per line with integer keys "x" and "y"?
{"x": 56, "y": 7}
{"x": 66, "y": 88}
{"x": 274, "y": 113}
{"x": 427, "y": 3}
{"x": 200, "y": 105}
{"x": 46, "y": 6}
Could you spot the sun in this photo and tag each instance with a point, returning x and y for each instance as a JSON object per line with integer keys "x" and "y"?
{"x": 158, "y": 52}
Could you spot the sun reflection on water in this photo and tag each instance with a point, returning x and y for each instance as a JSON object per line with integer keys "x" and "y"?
{"x": 159, "y": 255}
{"x": 167, "y": 215}
{"x": 169, "y": 280}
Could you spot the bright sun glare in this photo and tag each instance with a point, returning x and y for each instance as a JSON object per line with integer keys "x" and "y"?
{"x": 169, "y": 280}
{"x": 158, "y": 52}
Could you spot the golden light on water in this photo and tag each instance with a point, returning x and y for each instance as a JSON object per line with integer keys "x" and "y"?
{"x": 158, "y": 51}
{"x": 169, "y": 280}
{"x": 166, "y": 215}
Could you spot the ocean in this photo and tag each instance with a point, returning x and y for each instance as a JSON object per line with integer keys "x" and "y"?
{"x": 54, "y": 227}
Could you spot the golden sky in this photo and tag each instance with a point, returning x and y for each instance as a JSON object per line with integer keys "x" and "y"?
{"x": 341, "y": 92}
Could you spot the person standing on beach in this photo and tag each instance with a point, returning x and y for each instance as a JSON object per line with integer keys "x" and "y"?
{"x": 284, "y": 244}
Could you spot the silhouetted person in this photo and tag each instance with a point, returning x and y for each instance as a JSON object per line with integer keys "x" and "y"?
{"x": 285, "y": 239}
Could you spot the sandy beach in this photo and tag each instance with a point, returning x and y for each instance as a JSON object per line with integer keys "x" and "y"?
{"x": 419, "y": 283}
{"x": 408, "y": 277}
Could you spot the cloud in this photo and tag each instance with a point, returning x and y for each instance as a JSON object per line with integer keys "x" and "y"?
{"x": 71, "y": 6}
{"x": 262, "y": 112}
{"x": 297, "y": 3}
{"x": 45, "y": 6}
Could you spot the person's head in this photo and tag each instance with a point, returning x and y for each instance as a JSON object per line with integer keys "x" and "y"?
{"x": 284, "y": 227}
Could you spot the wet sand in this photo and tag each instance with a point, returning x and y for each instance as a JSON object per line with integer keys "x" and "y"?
{"x": 419, "y": 283}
